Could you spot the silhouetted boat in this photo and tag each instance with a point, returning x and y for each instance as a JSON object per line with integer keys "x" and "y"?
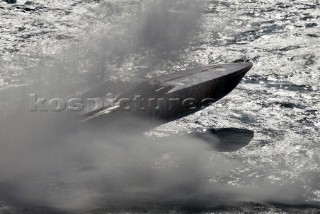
{"x": 169, "y": 96}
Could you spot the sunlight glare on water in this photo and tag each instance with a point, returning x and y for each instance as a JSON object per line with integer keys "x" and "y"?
{"x": 64, "y": 47}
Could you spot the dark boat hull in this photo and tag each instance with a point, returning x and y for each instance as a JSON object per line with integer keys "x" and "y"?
{"x": 173, "y": 95}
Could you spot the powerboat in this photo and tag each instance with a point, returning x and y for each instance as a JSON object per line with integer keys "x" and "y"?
{"x": 168, "y": 96}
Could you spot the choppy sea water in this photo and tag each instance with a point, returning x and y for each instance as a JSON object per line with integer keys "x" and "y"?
{"x": 67, "y": 47}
